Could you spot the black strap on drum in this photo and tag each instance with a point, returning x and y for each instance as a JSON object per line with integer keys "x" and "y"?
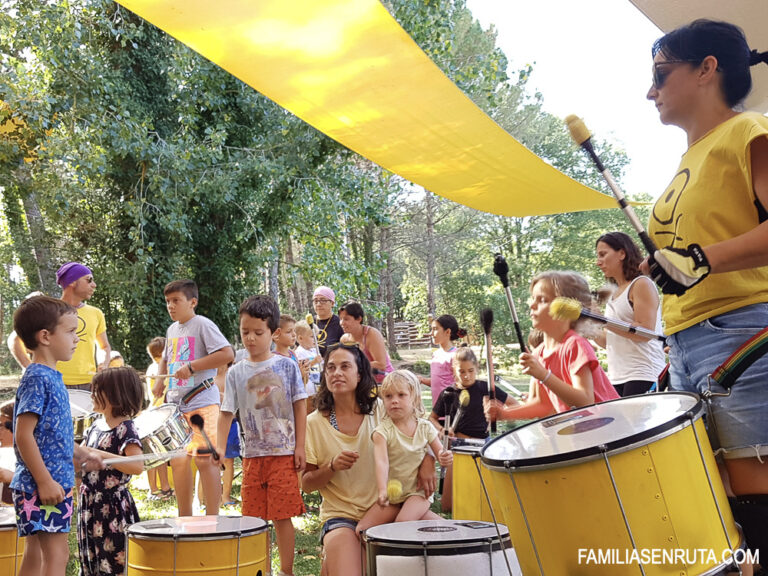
{"x": 745, "y": 355}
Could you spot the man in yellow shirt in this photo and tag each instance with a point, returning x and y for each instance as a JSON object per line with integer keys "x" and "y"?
{"x": 77, "y": 285}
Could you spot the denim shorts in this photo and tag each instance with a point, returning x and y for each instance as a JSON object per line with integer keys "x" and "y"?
{"x": 737, "y": 425}
{"x": 334, "y": 523}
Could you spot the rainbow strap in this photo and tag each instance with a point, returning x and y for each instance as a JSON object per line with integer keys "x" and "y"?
{"x": 744, "y": 356}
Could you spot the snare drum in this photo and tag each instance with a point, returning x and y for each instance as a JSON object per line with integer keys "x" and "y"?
{"x": 198, "y": 545}
{"x": 162, "y": 430}
{"x": 628, "y": 479}
{"x": 438, "y": 547}
{"x": 468, "y": 497}
{"x": 81, "y": 406}
{"x": 11, "y": 546}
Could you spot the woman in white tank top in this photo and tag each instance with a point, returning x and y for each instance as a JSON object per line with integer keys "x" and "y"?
{"x": 633, "y": 362}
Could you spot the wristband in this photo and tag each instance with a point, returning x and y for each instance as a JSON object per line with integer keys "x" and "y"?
{"x": 331, "y": 465}
{"x": 544, "y": 380}
{"x": 189, "y": 365}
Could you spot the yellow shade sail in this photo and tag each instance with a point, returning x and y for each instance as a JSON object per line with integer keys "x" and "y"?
{"x": 347, "y": 68}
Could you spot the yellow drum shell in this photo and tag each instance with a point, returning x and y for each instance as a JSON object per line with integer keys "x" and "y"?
{"x": 667, "y": 499}
{"x": 469, "y": 502}
{"x": 198, "y": 546}
{"x": 11, "y": 546}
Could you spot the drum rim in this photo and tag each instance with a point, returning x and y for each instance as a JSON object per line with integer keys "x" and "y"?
{"x": 494, "y": 537}
{"x": 199, "y": 536}
{"x": 675, "y": 424}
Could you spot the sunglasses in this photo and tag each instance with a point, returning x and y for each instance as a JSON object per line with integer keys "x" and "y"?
{"x": 660, "y": 74}
{"x": 344, "y": 345}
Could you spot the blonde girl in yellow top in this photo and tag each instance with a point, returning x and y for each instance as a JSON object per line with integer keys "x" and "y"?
{"x": 400, "y": 443}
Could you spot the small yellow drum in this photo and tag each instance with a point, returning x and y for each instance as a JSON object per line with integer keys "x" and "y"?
{"x": 11, "y": 546}
{"x": 627, "y": 487}
{"x": 199, "y": 545}
{"x": 468, "y": 496}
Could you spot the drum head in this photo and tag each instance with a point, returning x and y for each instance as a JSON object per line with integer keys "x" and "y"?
{"x": 150, "y": 420}
{"x": 7, "y": 518}
{"x": 197, "y": 527}
{"x": 80, "y": 403}
{"x": 594, "y": 430}
{"x": 455, "y": 532}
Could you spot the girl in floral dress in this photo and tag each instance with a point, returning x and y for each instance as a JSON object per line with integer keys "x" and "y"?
{"x": 106, "y": 508}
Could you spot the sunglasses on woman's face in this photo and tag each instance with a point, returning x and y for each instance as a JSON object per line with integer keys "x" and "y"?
{"x": 661, "y": 73}
{"x": 344, "y": 345}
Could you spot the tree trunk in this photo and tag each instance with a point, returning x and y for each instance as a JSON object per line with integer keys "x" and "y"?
{"x": 273, "y": 276}
{"x": 429, "y": 205}
{"x": 388, "y": 291}
{"x": 46, "y": 267}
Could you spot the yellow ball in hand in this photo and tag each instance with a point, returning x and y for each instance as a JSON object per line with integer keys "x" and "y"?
{"x": 394, "y": 490}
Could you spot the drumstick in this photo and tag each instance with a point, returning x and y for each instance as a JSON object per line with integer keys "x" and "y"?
{"x": 198, "y": 421}
{"x": 145, "y": 457}
{"x": 486, "y": 320}
{"x": 463, "y": 403}
{"x": 571, "y": 309}
{"x": 582, "y": 137}
{"x": 311, "y": 322}
{"x": 501, "y": 269}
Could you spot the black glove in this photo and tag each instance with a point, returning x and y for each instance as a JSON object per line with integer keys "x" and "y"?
{"x": 676, "y": 270}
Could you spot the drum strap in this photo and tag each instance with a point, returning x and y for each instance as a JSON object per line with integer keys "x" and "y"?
{"x": 204, "y": 385}
{"x": 744, "y": 356}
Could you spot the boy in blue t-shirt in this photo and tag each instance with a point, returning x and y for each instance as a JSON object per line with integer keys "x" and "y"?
{"x": 44, "y": 437}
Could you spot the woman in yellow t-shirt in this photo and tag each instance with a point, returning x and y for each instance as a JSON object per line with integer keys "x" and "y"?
{"x": 340, "y": 456}
{"x": 711, "y": 230}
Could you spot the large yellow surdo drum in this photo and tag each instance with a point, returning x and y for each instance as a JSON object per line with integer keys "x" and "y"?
{"x": 11, "y": 546}
{"x": 199, "y": 545}
{"x": 627, "y": 487}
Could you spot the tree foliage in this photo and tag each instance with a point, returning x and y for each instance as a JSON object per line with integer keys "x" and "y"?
{"x": 126, "y": 150}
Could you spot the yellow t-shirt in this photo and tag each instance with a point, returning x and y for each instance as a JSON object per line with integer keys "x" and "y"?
{"x": 406, "y": 453}
{"x": 711, "y": 199}
{"x": 349, "y": 493}
{"x": 82, "y": 366}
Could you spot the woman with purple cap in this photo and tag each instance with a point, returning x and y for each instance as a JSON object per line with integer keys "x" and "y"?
{"x": 77, "y": 286}
{"x": 329, "y": 327}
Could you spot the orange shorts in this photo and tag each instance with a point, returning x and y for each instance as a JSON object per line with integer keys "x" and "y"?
{"x": 271, "y": 488}
{"x": 210, "y": 415}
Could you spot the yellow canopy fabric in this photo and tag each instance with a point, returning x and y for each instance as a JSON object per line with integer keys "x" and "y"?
{"x": 347, "y": 68}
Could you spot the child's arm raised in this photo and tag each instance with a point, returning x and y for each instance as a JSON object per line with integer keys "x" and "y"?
{"x": 580, "y": 394}
{"x": 49, "y": 490}
{"x": 129, "y": 467}
{"x": 222, "y": 356}
{"x": 533, "y": 407}
{"x": 382, "y": 466}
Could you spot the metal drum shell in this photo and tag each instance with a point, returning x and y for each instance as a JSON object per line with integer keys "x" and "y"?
{"x": 172, "y": 433}
{"x": 668, "y": 485}
{"x": 81, "y": 406}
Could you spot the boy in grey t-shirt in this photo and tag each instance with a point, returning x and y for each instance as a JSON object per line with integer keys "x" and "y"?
{"x": 194, "y": 349}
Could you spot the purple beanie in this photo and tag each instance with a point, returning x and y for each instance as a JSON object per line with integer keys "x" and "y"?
{"x": 71, "y": 272}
